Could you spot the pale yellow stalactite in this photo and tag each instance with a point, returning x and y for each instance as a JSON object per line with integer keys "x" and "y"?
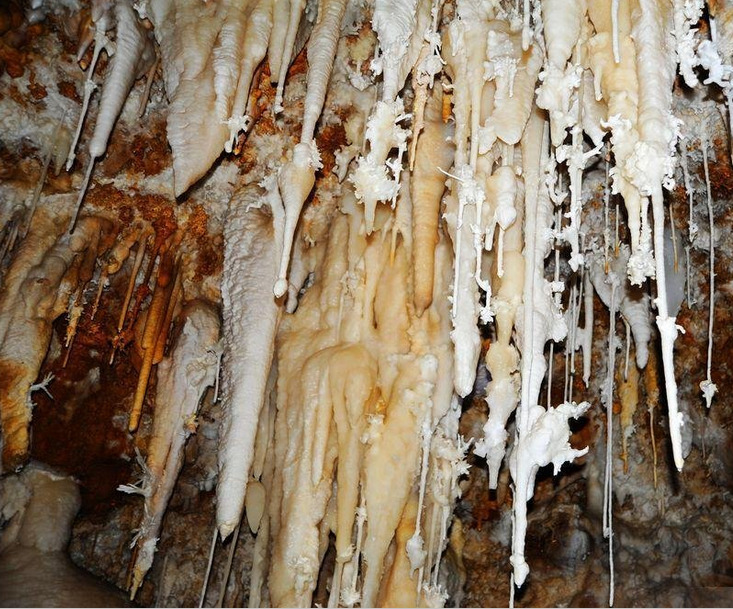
{"x": 617, "y": 84}
{"x": 427, "y": 184}
{"x": 399, "y": 588}
{"x": 152, "y": 327}
{"x": 390, "y": 461}
{"x": 628, "y": 392}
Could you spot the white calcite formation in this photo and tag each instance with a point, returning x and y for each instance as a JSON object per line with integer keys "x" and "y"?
{"x": 252, "y": 240}
{"x": 183, "y": 377}
{"x": 356, "y": 305}
{"x": 132, "y": 55}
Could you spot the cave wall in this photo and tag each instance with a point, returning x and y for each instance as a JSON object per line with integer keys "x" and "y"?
{"x": 672, "y": 530}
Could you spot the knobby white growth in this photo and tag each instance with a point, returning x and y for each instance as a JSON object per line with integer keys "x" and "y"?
{"x": 711, "y": 58}
{"x": 542, "y": 435}
{"x": 375, "y": 178}
{"x": 399, "y": 27}
{"x": 545, "y": 441}
{"x": 686, "y": 15}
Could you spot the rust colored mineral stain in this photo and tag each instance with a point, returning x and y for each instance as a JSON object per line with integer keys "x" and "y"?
{"x": 15, "y": 428}
{"x": 13, "y": 60}
{"x": 210, "y": 257}
{"x": 145, "y": 153}
{"x": 68, "y": 90}
{"x": 721, "y": 173}
{"x": 37, "y": 91}
{"x": 197, "y": 223}
{"x": 329, "y": 139}
{"x": 78, "y": 433}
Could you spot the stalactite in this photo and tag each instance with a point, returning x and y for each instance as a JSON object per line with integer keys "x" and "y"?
{"x": 183, "y": 377}
{"x": 542, "y": 435}
{"x": 708, "y": 388}
{"x": 296, "y": 178}
{"x": 399, "y": 27}
{"x": 628, "y": 390}
{"x": 562, "y": 27}
{"x": 187, "y": 32}
{"x": 612, "y": 280}
{"x": 241, "y": 46}
{"x": 617, "y": 83}
{"x": 102, "y": 18}
{"x": 132, "y": 57}
{"x": 249, "y": 349}
{"x": 155, "y": 316}
{"x": 631, "y": 301}
{"x": 293, "y": 20}
{"x": 427, "y": 185}
{"x": 653, "y": 163}
{"x": 502, "y": 358}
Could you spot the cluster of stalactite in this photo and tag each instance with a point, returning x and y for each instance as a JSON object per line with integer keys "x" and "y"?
{"x": 353, "y": 300}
